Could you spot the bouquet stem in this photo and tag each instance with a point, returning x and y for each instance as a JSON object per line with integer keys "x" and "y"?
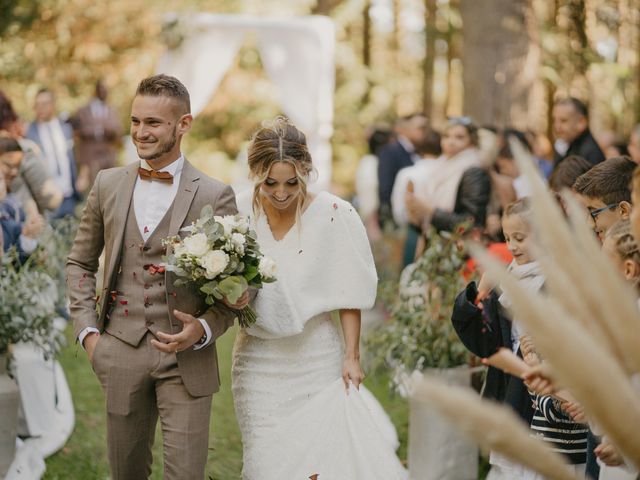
{"x": 247, "y": 316}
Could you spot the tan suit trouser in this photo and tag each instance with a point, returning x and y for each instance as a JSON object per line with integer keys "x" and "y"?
{"x": 140, "y": 384}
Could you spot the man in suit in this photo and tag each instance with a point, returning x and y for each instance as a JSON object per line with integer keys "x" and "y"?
{"x": 411, "y": 132}
{"x": 151, "y": 344}
{"x": 55, "y": 140}
{"x": 98, "y": 131}
{"x": 571, "y": 126}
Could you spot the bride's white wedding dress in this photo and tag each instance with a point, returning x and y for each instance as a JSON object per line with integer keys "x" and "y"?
{"x": 294, "y": 412}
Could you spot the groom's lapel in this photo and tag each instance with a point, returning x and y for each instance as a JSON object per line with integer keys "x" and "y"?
{"x": 189, "y": 182}
{"x": 121, "y": 212}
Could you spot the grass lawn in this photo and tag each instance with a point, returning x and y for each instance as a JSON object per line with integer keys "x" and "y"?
{"x": 85, "y": 456}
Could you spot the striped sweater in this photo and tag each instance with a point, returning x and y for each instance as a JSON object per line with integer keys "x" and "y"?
{"x": 552, "y": 425}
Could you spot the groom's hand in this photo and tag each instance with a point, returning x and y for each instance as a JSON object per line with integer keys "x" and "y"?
{"x": 89, "y": 344}
{"x": 242, "y": 302}
{"x": 192, "y": 331}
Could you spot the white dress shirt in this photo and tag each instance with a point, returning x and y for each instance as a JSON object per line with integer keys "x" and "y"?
{"x": 151, "y": 201}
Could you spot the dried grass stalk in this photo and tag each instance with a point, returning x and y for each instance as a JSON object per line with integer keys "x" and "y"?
{"x": 589, "y": 370}
{"x": 492, "y": 425}
{"x": 605, "y": 297}
{"x": 508, "y": 362}
{"x": 617, "y": 299}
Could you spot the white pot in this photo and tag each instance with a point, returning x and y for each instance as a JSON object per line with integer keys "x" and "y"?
{"x": 437, "y": 449}
{"x": 9, "y": 402}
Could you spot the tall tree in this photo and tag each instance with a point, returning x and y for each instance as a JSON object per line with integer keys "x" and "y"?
{"x": 499, "y": 61}
{"x": 431, "y": 10}
{"x": 366, "y": 33}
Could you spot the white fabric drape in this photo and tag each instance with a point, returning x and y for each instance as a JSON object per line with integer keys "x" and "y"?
{"x": 297, "y": 54}
{"x": 201, "y": 62}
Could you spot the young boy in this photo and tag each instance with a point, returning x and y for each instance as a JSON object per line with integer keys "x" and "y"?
{"x": 605, "y": 192}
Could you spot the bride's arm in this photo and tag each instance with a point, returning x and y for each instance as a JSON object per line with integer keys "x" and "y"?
{"x": 351, "y": 371}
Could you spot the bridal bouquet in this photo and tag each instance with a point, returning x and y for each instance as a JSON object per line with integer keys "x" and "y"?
{"x": 221, "y": 257}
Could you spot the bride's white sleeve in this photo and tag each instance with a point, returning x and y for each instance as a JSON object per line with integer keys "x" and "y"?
{"x": 332, "y": 268}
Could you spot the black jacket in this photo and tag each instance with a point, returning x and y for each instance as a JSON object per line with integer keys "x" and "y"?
{"x": 392, "y": 159}
{"x": 483, "y": 332}
{"x": 472, "y": 200}
{"x": 584, "y": 146}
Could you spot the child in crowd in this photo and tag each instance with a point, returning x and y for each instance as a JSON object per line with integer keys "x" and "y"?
{"x": 622, "y": 248}
{"x": 566, "y": 173}
{"x": 482, "y": 323}
{"x": 604, "y": 191}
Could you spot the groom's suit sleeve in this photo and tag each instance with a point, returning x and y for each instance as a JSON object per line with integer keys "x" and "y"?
{"x": 220, "y": 318}
{"x": 82, "y": 263}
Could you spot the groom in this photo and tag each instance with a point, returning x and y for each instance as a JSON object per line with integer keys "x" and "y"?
{"x": 151, "y": 344}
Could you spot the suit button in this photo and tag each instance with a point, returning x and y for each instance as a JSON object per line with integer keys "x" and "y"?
{"x": 148, "y": 323}
{"x": 147, "y": 286}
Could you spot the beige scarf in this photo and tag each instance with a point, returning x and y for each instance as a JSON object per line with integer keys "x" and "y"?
{"x": 439, "y": 181}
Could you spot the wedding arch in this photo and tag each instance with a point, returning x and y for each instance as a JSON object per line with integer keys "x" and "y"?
{"x": 297, "y": 54}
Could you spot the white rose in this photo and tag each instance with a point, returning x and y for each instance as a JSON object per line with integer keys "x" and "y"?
{"x": 227, "y": 222}
{"x": 242, "y": 224}
{"x": 267, "y": 268}
{"x": 214, "y": 262}
{"x": 179, "y": 250}
{"x": 238, "y": 241}
{"x": 196, "y": 245}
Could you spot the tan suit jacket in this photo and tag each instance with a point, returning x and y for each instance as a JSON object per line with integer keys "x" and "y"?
{"x": 102, "y": 228}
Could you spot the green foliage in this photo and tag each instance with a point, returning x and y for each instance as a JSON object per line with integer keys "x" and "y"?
{"x": 51, "y": 255}
{"x": 27, "y": 305}
{"x": 419, "y": 333}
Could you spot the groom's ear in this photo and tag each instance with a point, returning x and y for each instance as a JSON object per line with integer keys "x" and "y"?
{"x": 184, "y": 124}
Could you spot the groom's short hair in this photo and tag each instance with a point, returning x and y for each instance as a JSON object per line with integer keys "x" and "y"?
{"x": 166, "y": 86}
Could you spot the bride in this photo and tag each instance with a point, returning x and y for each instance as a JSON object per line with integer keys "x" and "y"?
{"x": 297, "y": 389}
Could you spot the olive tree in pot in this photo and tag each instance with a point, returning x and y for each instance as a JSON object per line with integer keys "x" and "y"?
{"x": 27, "y": 307}
{"x": 419, "y": 337}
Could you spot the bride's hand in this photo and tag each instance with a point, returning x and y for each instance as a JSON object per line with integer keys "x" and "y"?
{"x": 352, "y": 372}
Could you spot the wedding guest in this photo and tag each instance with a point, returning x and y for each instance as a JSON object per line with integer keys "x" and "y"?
{"x": 455, "y": 189}
{"x": 34, "y": 187}
{"x": 55, "y": 139}
{"x": 622, "y": 248}
{"x": 566, "y": 173}
{"x": 17, "y": 230}
{"x": 571, "y": 126}
{"x": 411, "y": 131}
{"x": 634, "y": 144}
{"x": 429, "y": 150}
{"x": 483, "y": 325}
{"x": 98, "y": 131}
{"x": 605, "y": 192}
{"x": 367, "y": 180}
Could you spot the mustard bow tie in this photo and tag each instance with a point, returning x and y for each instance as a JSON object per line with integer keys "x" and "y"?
{"x": 155, "y": 175}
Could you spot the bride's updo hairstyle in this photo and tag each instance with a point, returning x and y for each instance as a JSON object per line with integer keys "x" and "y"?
{"x": 279, "y": 141}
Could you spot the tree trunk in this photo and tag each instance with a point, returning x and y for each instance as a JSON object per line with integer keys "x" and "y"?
{"x": 366, "y": 34}
{"x": 431, "y": 8}
{"x": 500, "y": 61}
{"x": 324, "y": 7}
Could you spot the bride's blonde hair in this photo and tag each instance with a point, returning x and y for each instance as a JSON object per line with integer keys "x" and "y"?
{"x": 279, "y": 140}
